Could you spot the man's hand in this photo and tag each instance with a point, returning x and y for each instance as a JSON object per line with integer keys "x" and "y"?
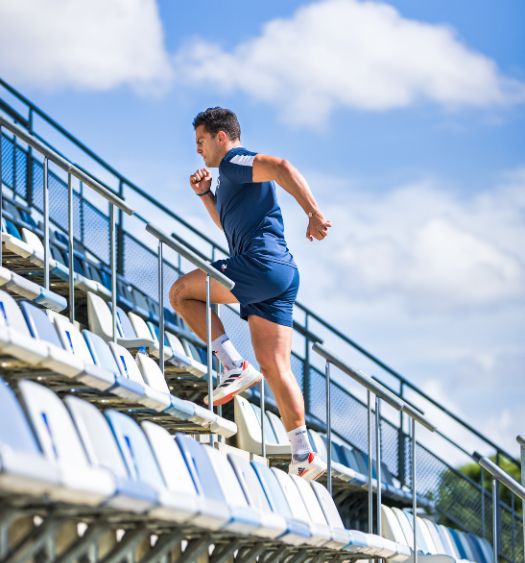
{"x": 318, "y": 226}
{"x": 200, "y": 180}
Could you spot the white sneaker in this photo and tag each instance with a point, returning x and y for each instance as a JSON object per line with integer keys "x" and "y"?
{"x": 234, "y": 381}
{"x": 310, "y": 469}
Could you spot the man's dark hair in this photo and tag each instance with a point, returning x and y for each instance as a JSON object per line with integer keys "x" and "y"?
{"x": 219, "y": 119}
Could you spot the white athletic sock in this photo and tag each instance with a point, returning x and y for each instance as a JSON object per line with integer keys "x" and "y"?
{"x": 226, "y": 352}
{"x": 300, "y": 443}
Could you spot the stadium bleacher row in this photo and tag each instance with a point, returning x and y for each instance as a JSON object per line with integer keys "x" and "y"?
{"x": 94, "y": 433}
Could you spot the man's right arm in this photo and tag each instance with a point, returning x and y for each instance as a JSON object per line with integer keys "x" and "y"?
{"x": 200, "y": 182}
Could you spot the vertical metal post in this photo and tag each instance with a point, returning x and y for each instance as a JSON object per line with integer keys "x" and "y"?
{"x": 46, "y": 223}
{"x": 414, "y": 487}
{"x": 521, "y": 442}
{"x": 71, "y": 247}
{"x": 370, "y": 491}
{"x": 328, "y": 428}
{"x": 262, "y": 396}
{"x": 494, "y": 521}
{"x": 1, "y": 194}
{"x": 120, "y": 232}
{"x": 401, "y": 442}
{"x": 306, "y": 367}
{"x": 209, "y": 351}
{"x": 378, "y": 465}
{"x": 179, "y": 266}
{"x": 161, "y": 308}
{"x": 81, "y": 203}
{"x": 483, "y": 515}
{"x": 220, "y": 437}
{"x": 113, "y": 266}
{"x": 513, "y": 528}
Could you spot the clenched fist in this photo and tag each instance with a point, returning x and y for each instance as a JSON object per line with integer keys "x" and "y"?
{"x": 200, "y": 181}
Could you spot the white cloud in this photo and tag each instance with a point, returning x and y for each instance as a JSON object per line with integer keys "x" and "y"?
{"x": 349, "y": 53}
{"x": 96, "y": 45}
{"x": 436, "y": 252}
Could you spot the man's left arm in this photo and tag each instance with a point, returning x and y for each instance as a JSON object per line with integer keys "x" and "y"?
{"x": 267, "y": 168}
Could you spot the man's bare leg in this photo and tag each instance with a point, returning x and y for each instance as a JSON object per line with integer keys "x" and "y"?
{"x": 272, "y": 344}
{"x": 188, "y": 298}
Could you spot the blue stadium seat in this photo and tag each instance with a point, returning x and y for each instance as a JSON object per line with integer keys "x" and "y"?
{"x": 272, "y": 525}
{"x": 82, "y": 483}
{"x": 23, "y": 467}
{"x": 215, "y": 511}
{"x": 130, "y": 494}
{"x": 297, "y": 531}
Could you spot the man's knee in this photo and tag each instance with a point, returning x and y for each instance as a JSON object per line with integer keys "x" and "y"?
{"x": 177, "y": 294}
{"x": 273, "y": 367}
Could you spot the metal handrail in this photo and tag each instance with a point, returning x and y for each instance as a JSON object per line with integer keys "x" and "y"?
{"x": 505, "y": 479}
{"x": 85, "y": 179}
{"x": 211, "y": 272}
{"x": 381, "y": 394}
{"x": 66, "y": 165}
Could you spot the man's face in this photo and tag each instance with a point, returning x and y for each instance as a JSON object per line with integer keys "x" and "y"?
{"x": 209, "y": 147}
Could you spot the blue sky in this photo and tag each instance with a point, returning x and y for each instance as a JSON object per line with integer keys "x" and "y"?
{"x": 407, "y": 118}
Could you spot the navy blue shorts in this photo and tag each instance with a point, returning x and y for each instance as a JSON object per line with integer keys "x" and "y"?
{"x": 264, "y": 288}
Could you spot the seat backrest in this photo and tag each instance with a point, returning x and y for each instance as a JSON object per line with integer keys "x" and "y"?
{"x": 11, "y": 315}
{"x": 200, "y": 468}
{"x": 406, "y": 526}
{"x": 441, "y": 548}
{"x": 427, "y": 538}
{"x": 469, "y": 552}
{"x": 169, "y": 459}
{"x": 458, "y": 543}
{"x": 135, "y": 449}
{"x": 290, "y": 491}
{"x": 151, "y": 373}
{"x": 32, "y": 240}
{"x": 476, "y": 548}
{"x": 40, "y": 325}
{"x": 175, "y": 344}
{"x": 125, "y": 326}
{"x": 278, "y": 428}
{"x": 249, "y": 482}
{"x": 99, "y": 317}
{"x": 53, "y": 424}
{"x": 127, "y": 365}
{"x": 15, "y": 430}
{"x": 72, "y": 339}
{"x": 96, "y": 435}
{"x": 318, "y": 443}
{"x": 101, "y": 352}
{"x": 231, "y": 488}
{"x": 269, "y": 434}
{"x": 310, "y": 500}
{"x": 392, "y": 529}
{"x": 140, "y": 327}
{"x": 273, "y": 491}
{"x": 448, "y": 541}
{"x": 328, "y": 506}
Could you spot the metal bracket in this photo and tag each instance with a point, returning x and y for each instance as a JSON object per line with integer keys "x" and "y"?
{"x": 194, "y": 549}
{"x": 128, "y": 543}
{"x": 163, "y": 546}
{"x": 78, "y": 548}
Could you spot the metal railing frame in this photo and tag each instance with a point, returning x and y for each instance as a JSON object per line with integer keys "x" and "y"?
{"x": 500, "y": 476}
{"x": 72, "y": 171}
{"x": 211, "y": 273}
{"x": 123, "y": 182}
{"x": 381, "y": 393}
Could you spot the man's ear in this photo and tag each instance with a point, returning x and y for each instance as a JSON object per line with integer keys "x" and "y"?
{"x": 222, "y": 137}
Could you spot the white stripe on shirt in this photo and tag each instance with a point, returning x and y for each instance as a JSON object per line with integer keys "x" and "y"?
{"x": 243, "y": 159}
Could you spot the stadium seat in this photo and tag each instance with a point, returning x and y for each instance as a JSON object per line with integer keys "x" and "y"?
{"x": 131, "y": 494}
{"x": 215, "y": 512}
{"x": 179, "y": 502}
{"x": 248, "y": 420}
{"x": 272, "y": 525}
{"x": 24, "y": 468}
{"x": 243, "y": 518}
{"x": 58, "y": 438}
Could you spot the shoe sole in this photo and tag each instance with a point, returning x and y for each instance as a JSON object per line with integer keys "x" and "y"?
{"x": 228, "y": 398}
{"x": 311, "y": 475}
